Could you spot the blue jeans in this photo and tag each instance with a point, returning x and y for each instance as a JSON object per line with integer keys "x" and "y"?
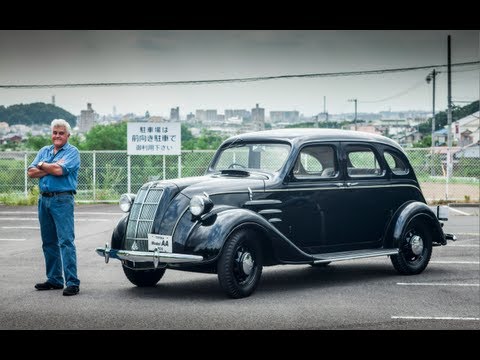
{"x": 58, "y": 234}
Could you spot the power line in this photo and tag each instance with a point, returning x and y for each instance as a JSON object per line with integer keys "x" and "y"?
{"x": 416, "y": 85}
{"x": 231, "y": 80}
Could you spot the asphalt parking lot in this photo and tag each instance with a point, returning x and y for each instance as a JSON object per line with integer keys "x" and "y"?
{"x": 358, "y": 294}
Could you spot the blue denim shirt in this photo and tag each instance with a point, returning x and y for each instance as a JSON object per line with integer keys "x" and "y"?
{"x": 69, "y": 180}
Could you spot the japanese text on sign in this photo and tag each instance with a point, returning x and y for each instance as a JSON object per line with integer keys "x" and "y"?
{"x": 154, "y": 138}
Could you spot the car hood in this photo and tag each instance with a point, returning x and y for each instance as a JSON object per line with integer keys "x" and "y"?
{"x": 215, "y": 183}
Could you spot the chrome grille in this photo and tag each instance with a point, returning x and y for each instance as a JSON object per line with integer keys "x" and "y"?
{"x": 141, "y": 218}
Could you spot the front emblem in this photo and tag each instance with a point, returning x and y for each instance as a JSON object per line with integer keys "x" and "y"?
{"x": 134, "y": 246}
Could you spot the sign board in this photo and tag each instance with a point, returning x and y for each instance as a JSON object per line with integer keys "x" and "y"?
{"x": 145, "y": 138}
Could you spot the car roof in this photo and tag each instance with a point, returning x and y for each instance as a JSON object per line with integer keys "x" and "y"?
{"x": 302, "y": 135}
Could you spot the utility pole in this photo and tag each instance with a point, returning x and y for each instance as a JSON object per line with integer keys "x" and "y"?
{"x": 355, "y": 118}
{"x": 325, "y": 108}
{"x": 449, "y": 117}
{"x": 431, "y": 77}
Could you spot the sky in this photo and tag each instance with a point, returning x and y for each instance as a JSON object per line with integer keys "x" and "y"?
{"x": 38, "y": 57}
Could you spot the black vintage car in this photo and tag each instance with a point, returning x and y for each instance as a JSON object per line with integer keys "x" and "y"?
{"x": 290, "y": 196}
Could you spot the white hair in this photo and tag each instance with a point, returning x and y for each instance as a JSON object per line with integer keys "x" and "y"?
{"x": 60, "y": 122}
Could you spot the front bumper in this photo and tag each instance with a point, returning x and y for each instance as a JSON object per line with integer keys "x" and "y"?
{"x": 146, "y": 256}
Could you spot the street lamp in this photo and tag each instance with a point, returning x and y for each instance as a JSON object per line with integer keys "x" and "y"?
{"x": 431, "y": 77}
{"x": 355, "y": 118}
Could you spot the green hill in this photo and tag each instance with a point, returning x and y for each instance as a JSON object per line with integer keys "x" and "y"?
{"x": 35, "y": 114}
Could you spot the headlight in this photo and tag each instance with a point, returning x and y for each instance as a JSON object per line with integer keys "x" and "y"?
{"x": 126, "y": 201}
{"x": 200, "y": 204}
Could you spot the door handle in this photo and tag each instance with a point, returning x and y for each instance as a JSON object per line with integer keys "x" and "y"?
{"x": 352, "y": 184}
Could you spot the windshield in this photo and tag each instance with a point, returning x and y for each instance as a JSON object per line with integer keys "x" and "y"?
{"x": 269, "y": 157}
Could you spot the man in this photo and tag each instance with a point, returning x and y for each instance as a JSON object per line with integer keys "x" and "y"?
{"x": 57, "y": 168}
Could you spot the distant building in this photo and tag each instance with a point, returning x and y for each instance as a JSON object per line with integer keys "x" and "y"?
{"x": 258, "y": 118}
{"x": 86, "y": 119}
{"x": 440, "y": 137}
{"x": 157, "y": 119}
{"x": 466, "y": 131}
{"x": 290, "y": 117}
{"x": 200, "y": 115}
{"x": 211, "y": 115}
{"x": 175, "y": 114}
{"x": 237, "y": 113}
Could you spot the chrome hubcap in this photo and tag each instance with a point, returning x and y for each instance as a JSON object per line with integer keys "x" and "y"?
{"x": 416, "y": 244}
{"x": 246, "y": 262}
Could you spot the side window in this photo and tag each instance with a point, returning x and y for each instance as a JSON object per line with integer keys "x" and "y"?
{"x": 316, "y": 162}
{"x": 362, "y": 162}
{"x": 395, "y": 163}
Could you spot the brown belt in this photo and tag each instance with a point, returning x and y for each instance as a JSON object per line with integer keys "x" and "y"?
{"x": 50, "y": 194}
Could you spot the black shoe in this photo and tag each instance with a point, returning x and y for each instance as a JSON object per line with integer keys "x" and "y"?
{"x": 71, "y": 290}
{"x": 47, "y": 286}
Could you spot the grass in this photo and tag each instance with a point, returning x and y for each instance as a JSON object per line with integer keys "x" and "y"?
{"x": 18, "y": 198}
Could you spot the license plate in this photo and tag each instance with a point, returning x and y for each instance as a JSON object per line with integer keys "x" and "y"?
{"x": 162, "y": 243}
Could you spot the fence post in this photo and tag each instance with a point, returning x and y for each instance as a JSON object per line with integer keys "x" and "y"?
{"x": 129, "y": 179}
{"x": 94, "y": 164}
{"x": 179, "y": 166}
{"x": 163, "y": 167}
{"x": 25, "y": 174}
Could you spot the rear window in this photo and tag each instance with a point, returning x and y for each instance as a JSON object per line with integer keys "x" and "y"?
{"x": 395, "y": 163}
{"x": 362, "y": 162}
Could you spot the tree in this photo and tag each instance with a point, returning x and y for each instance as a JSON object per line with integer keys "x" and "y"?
{"x": 106, "y": 137}
{"x": 37, "y": 142}
{"x": 441, "y": 117}
{"x": 424, "y": 143}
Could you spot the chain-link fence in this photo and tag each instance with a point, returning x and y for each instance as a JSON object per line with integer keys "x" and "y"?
{"x": 105, "y": 175}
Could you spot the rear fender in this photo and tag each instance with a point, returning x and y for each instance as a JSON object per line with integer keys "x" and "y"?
{"x": 402, "y": 218}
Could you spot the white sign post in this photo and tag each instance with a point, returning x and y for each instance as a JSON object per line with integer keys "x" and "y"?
{"x": 154, "y": 138}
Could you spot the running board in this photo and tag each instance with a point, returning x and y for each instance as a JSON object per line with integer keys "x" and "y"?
{"x": 350, "y": 255}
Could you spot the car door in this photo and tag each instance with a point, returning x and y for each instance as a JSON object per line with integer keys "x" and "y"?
{"x": 309, "y": 200}
{"x": 366, "y": 207}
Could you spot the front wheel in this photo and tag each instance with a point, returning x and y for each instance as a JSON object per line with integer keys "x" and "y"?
{"x": 144, "y": 278}
{"x": 239, "y": 267}
{"x": 415, "y": 249}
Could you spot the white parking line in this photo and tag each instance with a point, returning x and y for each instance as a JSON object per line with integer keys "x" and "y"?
{"x": 12, "y": 239}
{"x": 437, "y": 318}
{"x": 469, "y": 246}
{"x": 76, "y": 213}
{"x": 458, "y": 211}
{"x": 36, "y": 219}
{"x": 455, "y": 262}
{"x": 437, "y": 284}
{"x": 22, "y": 227}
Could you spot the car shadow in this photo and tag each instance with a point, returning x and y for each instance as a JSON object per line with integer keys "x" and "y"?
{"x": 276, "y": 279}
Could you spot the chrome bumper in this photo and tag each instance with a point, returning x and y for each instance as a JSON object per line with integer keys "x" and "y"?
{"x": 146, "y": 256}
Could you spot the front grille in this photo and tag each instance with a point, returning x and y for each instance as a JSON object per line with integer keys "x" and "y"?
{"x": 141, "y": 218}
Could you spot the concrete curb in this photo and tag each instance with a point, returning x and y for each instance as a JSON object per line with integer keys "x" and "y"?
{"x": 464, "y": 205}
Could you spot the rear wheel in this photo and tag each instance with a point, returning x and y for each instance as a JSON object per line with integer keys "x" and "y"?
{"x": 415, "y": 249}
{"x": 144, "y": 278}
{"x": 239, "y": 267}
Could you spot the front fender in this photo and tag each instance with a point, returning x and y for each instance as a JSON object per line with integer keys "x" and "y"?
{"x": 402, "y": 218}
{"x": 118, "y": 235}
{"x": 208, "y": 235}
